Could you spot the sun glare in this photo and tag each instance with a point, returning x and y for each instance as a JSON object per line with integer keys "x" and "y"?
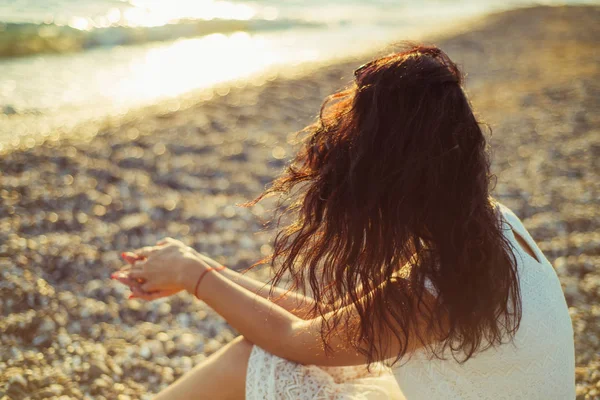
{"x": 159, "y": 12}
{"x": 79, "y": 23}
{"x": 202, "y": 62}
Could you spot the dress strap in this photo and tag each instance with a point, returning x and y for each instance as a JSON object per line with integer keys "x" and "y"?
{"x": 514, "y": 224}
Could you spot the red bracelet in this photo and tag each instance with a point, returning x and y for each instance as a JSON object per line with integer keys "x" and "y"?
{"x": 206, "y": 271}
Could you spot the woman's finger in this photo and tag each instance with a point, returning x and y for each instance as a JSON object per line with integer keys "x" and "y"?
{"x": 126, "y": 280}
{"x": 130, "y": 257}
{"x": 164, "y": 241}
{"x": 125, "y": 271}
{"x": 151, "y": 296}
{"x": 121, "y": 274}
{"x": 145, "y": 252}
{"x": 136, "y": 290}
{"x": 140, "y": 266}
{"x": 137, "y": 273}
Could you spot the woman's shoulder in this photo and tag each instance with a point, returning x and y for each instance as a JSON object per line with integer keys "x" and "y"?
{"x": 508, "y": 218}
{"x": 505, "y": 211}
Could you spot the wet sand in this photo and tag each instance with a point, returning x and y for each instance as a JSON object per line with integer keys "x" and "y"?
{"x": 69, "y": 207}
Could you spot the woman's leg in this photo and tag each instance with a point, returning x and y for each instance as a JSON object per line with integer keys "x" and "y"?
{"x": 220, "y": 376}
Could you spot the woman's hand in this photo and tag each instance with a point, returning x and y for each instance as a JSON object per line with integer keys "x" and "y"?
{"x": 161, "y": 270}
{"x": 135, "y": 284}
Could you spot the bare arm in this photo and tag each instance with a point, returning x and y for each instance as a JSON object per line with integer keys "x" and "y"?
{"x": 280, "y": 332}
{"x": 266, "y": 324}
{"x": 174, "y": 267}
{"x": 294, "y": 302}
{"x": 273, "y": 328}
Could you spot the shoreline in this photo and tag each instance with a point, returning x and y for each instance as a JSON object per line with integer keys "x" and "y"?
{"x": 69, "y": 207}
{"x": 84, "y": 128}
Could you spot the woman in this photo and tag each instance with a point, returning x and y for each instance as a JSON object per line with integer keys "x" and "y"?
{"x": 414, "y": 270}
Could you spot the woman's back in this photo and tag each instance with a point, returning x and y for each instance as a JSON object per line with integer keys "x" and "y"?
{"x": 539, "y": 364}
{"x": 396, "y": 173}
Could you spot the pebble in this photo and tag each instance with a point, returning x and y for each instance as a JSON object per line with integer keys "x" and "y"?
{"x": 183, "y": 319}
{"x": 18, "y": 380}
{"x": 146, "y": 352}
{"x": 97, "y": 368}
{"x": 156, "y": 347}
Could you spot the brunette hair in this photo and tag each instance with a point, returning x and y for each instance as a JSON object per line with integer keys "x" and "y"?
{"x": 394, "y": 170}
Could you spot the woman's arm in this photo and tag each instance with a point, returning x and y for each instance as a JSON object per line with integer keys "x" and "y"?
{"x": 281, "y": 333}
{"x": 275, "y": 329}
{"x": 266, "y": 324}
{"x": 294, "y": 302}
{"x": 174, "y": 266}
{"x": 262, "y": 322}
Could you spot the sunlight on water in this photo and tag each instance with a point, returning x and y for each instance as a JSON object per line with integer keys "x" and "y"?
{"x": 119, "y": 55}
{"x": 83, "y": 24}
{"x": 49, "y": 91}
{"x": 152, "y": 13}
{"x": 159, "y": 12}
{"x": 200, "y": 62}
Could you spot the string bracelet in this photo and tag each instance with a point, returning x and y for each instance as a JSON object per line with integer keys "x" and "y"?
{"x": 206, "y": 271}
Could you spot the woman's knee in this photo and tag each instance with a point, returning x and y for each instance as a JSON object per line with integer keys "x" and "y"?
{"x": 239, "y": 348}
{"x": 242, "y": 343}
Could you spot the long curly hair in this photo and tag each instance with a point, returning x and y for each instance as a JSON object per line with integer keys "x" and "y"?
{"x": 392, "y": 186}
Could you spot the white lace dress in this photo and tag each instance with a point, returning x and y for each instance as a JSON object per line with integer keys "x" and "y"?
{"x": 539, "y": 365}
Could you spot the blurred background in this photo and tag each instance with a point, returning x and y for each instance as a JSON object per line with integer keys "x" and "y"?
{"x": 64, "y": 61}
{"x": 125, "y": 121}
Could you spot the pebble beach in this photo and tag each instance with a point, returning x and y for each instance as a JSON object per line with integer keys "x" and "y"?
{"x": 70, "y": 205}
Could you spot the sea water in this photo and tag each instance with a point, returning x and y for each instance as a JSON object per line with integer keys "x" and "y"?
{"x": 66, "y": 61}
